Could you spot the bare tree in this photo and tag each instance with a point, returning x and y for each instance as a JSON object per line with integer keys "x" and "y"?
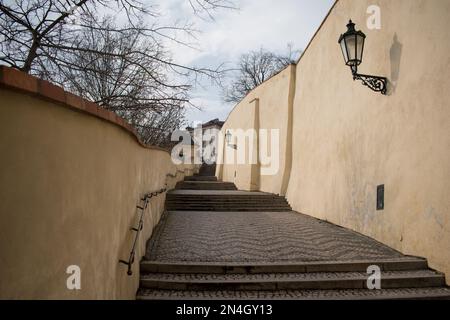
{"x": 116, "y": 82}
{"x": 124, "y": 68}
{"x": 253, "y": 69}
{"x": 33, "y": 31}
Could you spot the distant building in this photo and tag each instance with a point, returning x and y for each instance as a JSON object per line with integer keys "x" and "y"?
{"x": 210, "y": 131}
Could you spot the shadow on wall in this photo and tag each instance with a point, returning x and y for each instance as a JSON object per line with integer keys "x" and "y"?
{"x": 395, "y": 54}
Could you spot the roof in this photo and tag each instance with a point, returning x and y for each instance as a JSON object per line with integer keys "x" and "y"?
{"x": 210, "y": 123}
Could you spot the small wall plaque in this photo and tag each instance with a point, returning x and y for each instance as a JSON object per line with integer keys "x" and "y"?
{"x": 380, "y": 197}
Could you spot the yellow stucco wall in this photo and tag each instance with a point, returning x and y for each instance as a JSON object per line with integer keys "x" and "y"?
{"x": 69, "y": 186}
{"x": 270, "y": 111}
{"x": 347, "y": 139}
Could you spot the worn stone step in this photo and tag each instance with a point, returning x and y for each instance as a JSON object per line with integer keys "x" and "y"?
{"x": 210, "y": 193}
{"x": 242, "y": 202}
{"x": 231, "y": 198}
{"x": 290, "y": 281}
{"x": 205, "y": 187}
{"x": 225, "y": 194}
{"x": 202, "y": 187}
{"x": 225, "y": 209}
{"x": 225, "y": 205}
{"x": 403, "y": 264}
{"x": 259, "y": 199}
{"x": 231, "y": 203}
{"x": 173, "y": 207}
{"x": 207, "y": 183}
{"x": 229, "y": 207}
{"x": 343, "y": 294}
{"x": 200, "y": 178}
{"x": 210, "y": 183}
{"x": 170, "y": 196}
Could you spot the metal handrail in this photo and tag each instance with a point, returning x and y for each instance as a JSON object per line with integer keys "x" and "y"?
{"x": 146, "y": 199}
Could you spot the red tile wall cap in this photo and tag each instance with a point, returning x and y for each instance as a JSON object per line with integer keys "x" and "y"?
{"x": 12, "y": 78}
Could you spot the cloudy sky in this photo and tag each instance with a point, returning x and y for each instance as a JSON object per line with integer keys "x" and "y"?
{"x": 271, "y": 24}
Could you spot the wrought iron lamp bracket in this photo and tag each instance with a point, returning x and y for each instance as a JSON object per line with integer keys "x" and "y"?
{"x": 375, "y": 83}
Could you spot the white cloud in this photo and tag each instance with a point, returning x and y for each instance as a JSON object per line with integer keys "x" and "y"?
{"x": 268, "y": 23}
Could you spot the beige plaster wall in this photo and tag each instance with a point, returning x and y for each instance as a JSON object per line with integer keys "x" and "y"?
{"x": 346, "y": 139}
{"x": 69, "y": 186}
{"x": 266, "y": 107}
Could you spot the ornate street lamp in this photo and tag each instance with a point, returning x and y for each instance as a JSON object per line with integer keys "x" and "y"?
{"x": 228, "y": 137}
{"x": 352, "y": 46}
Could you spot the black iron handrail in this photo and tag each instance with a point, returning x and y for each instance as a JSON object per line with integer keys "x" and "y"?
{"x": 146, "y": 199}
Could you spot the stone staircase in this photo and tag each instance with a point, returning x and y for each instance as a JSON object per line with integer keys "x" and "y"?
{"x": 186, "y": 271}
{"x": 213, "y": 200}
{"x": 400, "y": 280}
{"x": 205, "y": 185}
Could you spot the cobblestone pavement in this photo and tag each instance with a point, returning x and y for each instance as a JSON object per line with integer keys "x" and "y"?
{"x": 360, "y": 294}
{"x": 183, "y": 277}
{"x": 218, "y": 192}
{"x": 187, "y": 236}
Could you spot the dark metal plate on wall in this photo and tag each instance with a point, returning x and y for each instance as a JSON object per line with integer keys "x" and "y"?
{"x": 380, "y": 197}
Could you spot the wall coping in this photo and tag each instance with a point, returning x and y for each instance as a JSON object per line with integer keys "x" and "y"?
{"x": 12, "y": 78}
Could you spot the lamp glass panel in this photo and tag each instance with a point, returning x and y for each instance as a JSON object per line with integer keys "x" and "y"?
{"x": 228, "y": 137}
{"x": 344, "y": 50}
{"x": 350, "y": 42}
{"x": 360, "y": 47}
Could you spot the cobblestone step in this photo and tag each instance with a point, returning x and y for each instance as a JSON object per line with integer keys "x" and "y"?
{"x": 207, "y": 170}
{"x": 224, "y": 197}
{"x": 234, "y": 206}
{"x": 229, "y": 209}
{"x": 224, "y": 201}
{"x": 219, "y": 193}
{"x": 343, "y": 294}
{"x": 206, "y": 182}
{"x": 227, "y": 199}
{"x": 232, "y": 201}
{"x": 399, "y": 264}
{"x": 289, "y": 281}
{"x": 200, "y": 178}
{"x": 205, "y": 185}
{"x": 229, "y": 206}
